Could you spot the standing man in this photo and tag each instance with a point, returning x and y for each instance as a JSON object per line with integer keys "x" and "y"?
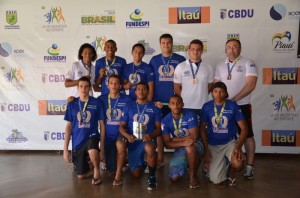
{"x": 219, "y": 131}
{"x": 180, "y": 132}
{"x": 240, "y": 76}
{"x": 193, "y": 78}
{"x": 83, "y": 115}
{"x": 163, "y": 66}
{"x": 139, "y": 117}
{"x": 113, "y": 104}
{"x": 108, "y": 65}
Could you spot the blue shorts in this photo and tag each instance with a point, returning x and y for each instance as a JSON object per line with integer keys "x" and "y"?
{"x": 179, "y": 162}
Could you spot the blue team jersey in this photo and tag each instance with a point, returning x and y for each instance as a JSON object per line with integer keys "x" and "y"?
{"x": 226, "y": 130}
{"x": 135, "y": 74}
{"x": 112, "y": 117}
{"x": 163, "y": 68}
{"x": 117, "y": 69}
{"x": 149, "y": 114}
{"x": 84, "y": 125}
{"x": 189, "y": 121}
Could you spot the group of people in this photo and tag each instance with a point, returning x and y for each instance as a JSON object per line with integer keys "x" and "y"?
{"x": 167, "y": 105}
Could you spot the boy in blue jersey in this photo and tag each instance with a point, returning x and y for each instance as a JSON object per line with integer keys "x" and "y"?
{"x": 163, "y": 66}
{"x": 138, "y": 71}
{"x": 83, "y": 115}
{"x": 107, "y": 66}
{"x": 113, "y": 104}
{"x": 180, "y": 132}
{"x": 139, "y": 115}
{"x": 218, "y": 129}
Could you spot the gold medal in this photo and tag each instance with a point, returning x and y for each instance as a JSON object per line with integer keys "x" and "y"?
{"x": 195, "y": 81}
{"x": 229, "y": 77}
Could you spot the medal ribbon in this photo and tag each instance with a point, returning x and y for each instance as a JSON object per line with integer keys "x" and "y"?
{"x": 218, "y": 117}
{"x": 86, "y": 67}
{"x": 113, "y": 62}
{"x": 179, "y": 123}
{"x": 195, "y": 73}
{"x": 84, "y": 107}
{"x": 138, "y": 108}
{"x": 109, "y": 103}
{"x": 230, "y": 69}
{"x": 134, "y": 73}
{"x": 162, "y": 58}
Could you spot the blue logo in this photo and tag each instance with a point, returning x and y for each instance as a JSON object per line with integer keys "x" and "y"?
{"x": 136, "y": 20}
{"x": 277, "y": 11}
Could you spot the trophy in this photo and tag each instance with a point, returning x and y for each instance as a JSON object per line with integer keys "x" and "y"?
{"x": 139, "y": 130}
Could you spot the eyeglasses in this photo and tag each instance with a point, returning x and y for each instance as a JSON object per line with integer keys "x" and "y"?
{"x": 235, "y": 47}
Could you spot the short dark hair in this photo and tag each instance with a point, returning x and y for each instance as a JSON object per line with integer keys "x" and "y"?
{"x": 176, "y": 96}
{"x": 197, "y": 42}
{"x": 221, "y": 85}
{"x": 115, "y": 76}
{"x": 166, "y": 36}
{"x": 138, "y": 45}
{"x": 85, "y": 79}
{"x": 236, "y": 40}
{"x": 112, "y": 42}
{"x": 144, "y": 84}
{"x": 87, "y": 45}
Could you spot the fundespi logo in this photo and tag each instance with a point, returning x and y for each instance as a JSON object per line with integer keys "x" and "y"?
{"x": 16, "y": 137}
{"x": 52, "y": 107}
{"x": 108, "y": 18}
{"x": 282, "y": 42}
{"x": 239, "y": 13}
{"x": 53, "y": 78}
{"x": 277, "y": 11}
{"x": 53, "y": 51}
{"x": 281, "y": 138}
{"x": 54, "y": 135}
{"x": 281, "y": 75}
{"x": 14, "y": 107}
{"x": 136, "y": 20}
{"x": 185, "y": 15}
{"x": 11, "y": 19}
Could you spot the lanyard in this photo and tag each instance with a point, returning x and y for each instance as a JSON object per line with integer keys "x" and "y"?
{"x": 109, "y": 103}
{"x": 86, "y": 67}
{"x": 162, "y": 58}
{"x": 134, "y": 73}
{"x": 230, "y": 69}
{"x": 177, "y": 128}
{"x": 138, "y": 108}
{"x": 218, "y": 117}
{"x": 82, "y": 110}
{"x": 195, "y": 73}
{"x": 107, "y": 65}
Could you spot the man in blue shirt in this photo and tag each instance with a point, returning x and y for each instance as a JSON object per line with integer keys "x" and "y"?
{"x": 139, "y": 127}
{"x": 219, "y": 131}
{"x": 180, "y": 132}
{"x": 108, "y": 65}
{"x": 113, "y": 104}
{"x": 83, "y": 115}
{"x": 163, "y": 66}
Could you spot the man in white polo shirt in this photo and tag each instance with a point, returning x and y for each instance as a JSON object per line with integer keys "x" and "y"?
{"x": 193, "y": 78}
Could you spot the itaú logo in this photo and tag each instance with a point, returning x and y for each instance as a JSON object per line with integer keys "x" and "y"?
{"x": 281, "y": 138}
{"x": 52, "y": 107}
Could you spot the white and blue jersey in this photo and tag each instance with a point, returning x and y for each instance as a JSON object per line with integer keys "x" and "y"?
{"x": 116, "y": 69}
{"x": 135, "y": 74}
{"x": 84, "y": 120}
{"x": 163, "y": 68}
{"x": 226, "y": 130}
{"x": 112, "y": 116}
{"x": 189, "y": 121}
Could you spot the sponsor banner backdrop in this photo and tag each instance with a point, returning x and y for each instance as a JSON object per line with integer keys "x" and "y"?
{"x": 39, "y": 41}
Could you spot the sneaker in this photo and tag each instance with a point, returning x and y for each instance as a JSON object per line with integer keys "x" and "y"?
{"x": 152, "y": 185}
{"x": 249, "y": 172}
{"x": 146, "y": 167}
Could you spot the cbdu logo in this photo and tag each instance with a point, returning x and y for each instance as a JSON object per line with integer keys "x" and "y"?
{"x": 136, "y": 20}
{"x": 54, "y": 135}
{"x": 53, "y": 51}
{"x": 14, "y": 107}
{"x": 277, "y": 11}
{"x": 53, "y": 78}
{"x": 242, "y": 13}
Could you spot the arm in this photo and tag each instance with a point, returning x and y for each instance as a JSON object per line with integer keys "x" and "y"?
{"x": 154, "y": 134}
{"x": 209, "y": 86}
{"x": 99, "y": 79}
{"x": 247, "y": 89}
{"x": 177, "y": 88}
{"x": 151, "y": 91}
{"x": 68, "y": 132}
{"x": 127, "y": 85}
{"x": 177, "y": 142}
{"x": 242, "y": 138}
{"x": 203, "y": 134}
{"x": 124, "y": 133}
{"x": 70, "y": 83}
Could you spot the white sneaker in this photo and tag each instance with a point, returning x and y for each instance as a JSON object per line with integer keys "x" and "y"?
{"x": 249, "y": 172}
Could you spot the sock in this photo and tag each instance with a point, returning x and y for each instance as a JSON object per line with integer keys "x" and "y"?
{"x": 152, "y": 171}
